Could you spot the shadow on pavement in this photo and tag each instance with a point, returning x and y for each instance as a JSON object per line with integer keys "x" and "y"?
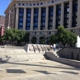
{"x": 15, "y": 71}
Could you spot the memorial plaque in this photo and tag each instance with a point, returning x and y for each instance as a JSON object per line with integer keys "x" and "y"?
{"x": 39, "y": 47}
{"x": 30, "y": 48}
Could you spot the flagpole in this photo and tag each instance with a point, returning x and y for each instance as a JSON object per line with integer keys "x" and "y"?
{"x": 9, "y": 21}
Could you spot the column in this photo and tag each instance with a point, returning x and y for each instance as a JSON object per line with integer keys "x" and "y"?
{"x": 54, "y": 17}
{"x": 24, "y": 19}
{"x": 32, "y": 15}
{"x": 37, "y": 40}
{"x": 46, "y": 21}
{"x": 70, "y": 14}
{"x": 9, "y": 21}
{"x": 17, "y": 16}
{"x": 62, "y": 14}
{"x": 39, "y": 18}
{"x": 78, "y": 14}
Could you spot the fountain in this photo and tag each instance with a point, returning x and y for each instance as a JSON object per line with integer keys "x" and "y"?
{"x": 78, "y": 42}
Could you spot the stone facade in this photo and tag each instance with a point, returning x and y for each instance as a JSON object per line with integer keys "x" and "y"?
{"x": 2, "y": 20}
{"x": 42, "y": 17}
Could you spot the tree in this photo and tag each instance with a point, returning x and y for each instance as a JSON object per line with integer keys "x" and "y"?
{"x": 64, "y": 36}
{"x": 42, "y": 40}
{"x": 8, "y": 35}
{"x": 34, "y": 40}
{"x": 12, "y": 35}
{"x": 72, "y": 39}
{"x": 26, "y": 37}
{"x": 53, "y": 39}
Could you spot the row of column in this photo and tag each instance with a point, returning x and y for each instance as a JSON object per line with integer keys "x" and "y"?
{"x": 46, "y": 22}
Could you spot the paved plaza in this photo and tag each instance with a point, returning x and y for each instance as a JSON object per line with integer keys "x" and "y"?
{"x": 38, "y": 70}
{"x": 35, "y": 69}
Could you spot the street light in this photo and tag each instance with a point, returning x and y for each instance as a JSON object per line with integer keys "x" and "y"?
{"x": 9, "y": 20}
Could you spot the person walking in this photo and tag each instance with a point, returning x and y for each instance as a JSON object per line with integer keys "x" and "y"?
{"x": 54, "y": 46}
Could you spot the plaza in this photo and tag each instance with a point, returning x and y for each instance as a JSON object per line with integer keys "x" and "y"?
{"x": 41, "y": 18}
{"x": 38, "y": 68}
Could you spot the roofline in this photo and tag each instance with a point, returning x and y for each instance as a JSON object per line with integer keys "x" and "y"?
{"x": 9, "y": 6}
{"x": 13, "y": 1}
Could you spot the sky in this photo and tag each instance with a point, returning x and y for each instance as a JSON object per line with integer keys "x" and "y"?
{"x": 3, "y": 5}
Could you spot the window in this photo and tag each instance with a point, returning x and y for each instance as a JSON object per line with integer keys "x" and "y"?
{"x": 76, "y": 7}
{"x": 35, "y": 24}
{"x": 34, "y": 4}
{"x": 20, "y": 19}
{"x": 36, "y": 10}
{"x": 67, "y": 9}
{"x": 42, "y": 33}
{"x": 30, "y": 4}
{"x": 28, "y": 24}
{"x": 28, "y": 15}
{"x": 43, "y": 14}
{"x": 20, "y": 24}
{"x": 43, "y": 23}
{"x": 19, "y": 4}
{"x": 41, "y": 3}
{"x": 35, "y": 28}
{"x": 28, "y": 10}
{"x": 43, "y": 19}
{"x": 51, "y": 13}
{"x": 27, "y": 28}
{"x": 49, "y": 33}
{"x": 21, "y": 10}
{"x": 59, "y": 11}
{"x": 37, "y": 3}
{"x": 28, "y": 19}
{"x": 21, "y": 14}
{"x": 22, "y": 4}
{"x": 52, "y": 1}
{"x": 35, "y": 19}
{"x": 20, "y": 28}
{"x": 36, "y": 14}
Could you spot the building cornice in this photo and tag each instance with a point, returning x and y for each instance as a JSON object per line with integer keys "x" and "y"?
{"x": 27, "y": 1}
{"x": 32, "y": 0}
{"x": 13, "y": 2}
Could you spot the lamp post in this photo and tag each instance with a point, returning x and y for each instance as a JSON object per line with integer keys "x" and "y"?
{"x": 9, "y": 20}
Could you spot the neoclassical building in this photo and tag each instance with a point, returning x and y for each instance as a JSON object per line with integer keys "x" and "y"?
{"x": 42, "y": 17}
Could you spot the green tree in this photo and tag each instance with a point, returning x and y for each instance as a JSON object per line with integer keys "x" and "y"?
{"x": 26, "y": 37}
{"x": 8, "y": 35}
{"x": 42, "y": 40}
{"x": 64, "y": 36}
{"x": 34, "y": 40}
{"x": 72, "y": 39}
{"x": 53, "y": 39}
{"x": 16, "y": 35}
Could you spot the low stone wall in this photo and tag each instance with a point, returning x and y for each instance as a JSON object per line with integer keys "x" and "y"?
{"x": 34, "y": 48}
{"x": 52, "y": 56}
{"x": 70, "y": 53}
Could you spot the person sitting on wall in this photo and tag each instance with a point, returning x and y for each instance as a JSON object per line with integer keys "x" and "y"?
{"x": 51, "y": 46}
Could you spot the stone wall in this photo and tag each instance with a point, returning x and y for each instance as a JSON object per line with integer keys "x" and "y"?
{"x": 70, "y": 53}
{"x": 33, "y": 48}
{"x": 52, "y": 56}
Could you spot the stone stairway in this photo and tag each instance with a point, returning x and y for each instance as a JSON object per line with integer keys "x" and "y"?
{"x": 17, "y": 55}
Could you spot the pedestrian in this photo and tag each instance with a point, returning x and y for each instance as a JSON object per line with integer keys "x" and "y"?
{"x": 51, "y": 47}
{"x": 54, "y": 46}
